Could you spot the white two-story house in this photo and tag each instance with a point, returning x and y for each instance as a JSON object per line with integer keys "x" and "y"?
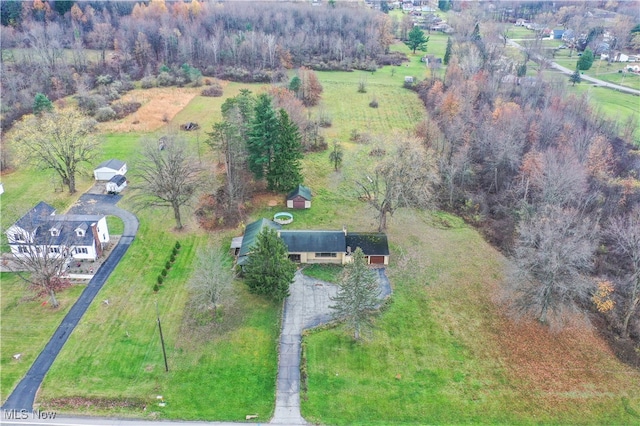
{"x": 74, "y": 236}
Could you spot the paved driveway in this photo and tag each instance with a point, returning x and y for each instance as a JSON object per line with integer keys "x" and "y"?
{"x": 24, "y": 394}
{"x": 306, "y": 307}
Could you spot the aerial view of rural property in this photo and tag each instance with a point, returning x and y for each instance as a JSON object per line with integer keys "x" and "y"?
{"x": 320, "y": 212}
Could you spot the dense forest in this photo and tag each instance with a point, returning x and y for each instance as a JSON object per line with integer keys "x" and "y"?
{"x": 57, "y": 47}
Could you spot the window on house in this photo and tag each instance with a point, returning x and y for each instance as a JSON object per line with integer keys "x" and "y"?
{"x": 55, "y": 232}
{"x": 82, "y": 250}
{"x": 80, "y": 233}
{"x": 54, "y": 249}
{"x": 23, "y": 249}
{"x": 326, "y": 254}
{"x": 18, "y": 236}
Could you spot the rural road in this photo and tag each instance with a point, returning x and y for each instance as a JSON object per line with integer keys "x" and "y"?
{"x": 24, "y": 394}
{"x": 567, "y": 71}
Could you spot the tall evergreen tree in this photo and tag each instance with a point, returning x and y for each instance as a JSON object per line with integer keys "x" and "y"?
{"x": 262, "y": 136}
{"x": 417, "y": 40}
{"x": 41, "y": 103}
{"x": 269, "y": 271}
{"x": 284, "y": 168}
{"x": 447, "y": 53}
{"x": 358, "y": 295}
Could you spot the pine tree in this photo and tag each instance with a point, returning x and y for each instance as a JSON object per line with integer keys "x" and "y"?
{"x": 269, "y": 271}
{"x": 417, "y": 40}
{"x": 41, "y": 103}
{"x": 575, "y": 77}
{"x": 262, "y": 136}
{"x": 447, "y": 53}
{"x": 358, "y": 295}
{"x": 284, "y": 169}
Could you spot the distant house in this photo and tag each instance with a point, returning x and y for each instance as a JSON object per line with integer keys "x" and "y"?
{"x": 299, "y": 198}
{"x": 109, "y": 169}
{"x": 116, "y": 184}
{"x": 557, "y": 34}
{"x": 317, "y": 246}
{"x": 40, "y": 230}
{"x": 521, "y": 22}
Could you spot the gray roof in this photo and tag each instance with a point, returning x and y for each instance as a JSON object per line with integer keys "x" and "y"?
{"x": 111, "y": 164}
{"x": 118, "y": 179}
{"x": 302, "y": 191}
{"x": 40, "y": 220}
{"x": 33, "y": 217}
{"x": 314, "y": 241}
{"x": 371, "y": 243}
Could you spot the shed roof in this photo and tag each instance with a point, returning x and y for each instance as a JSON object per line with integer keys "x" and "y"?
{"x": 371, "y": 243}
{"x": 112, "y": 164}
{"x": 314, "y": 241}
{"x": 250, "y": 234}
{"x": 302, "y": 191}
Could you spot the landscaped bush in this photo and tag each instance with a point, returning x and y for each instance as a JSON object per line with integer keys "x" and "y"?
{"x": 167, "y": 265}
{"x": 163, "y": 272}
{"x": 156, "y": 287}
{"x": 148, "y": 82}
{"x": 160, "y": 279}
{"x": 177, "y": 245}
{"x": 215, "y": 90}
{"x": 172, "y": 258}
{"x": 105, "y": 114}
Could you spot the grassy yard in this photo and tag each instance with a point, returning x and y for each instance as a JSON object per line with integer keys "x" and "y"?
{"x": 444, "y": 353}
{"x": 26, "y": 327}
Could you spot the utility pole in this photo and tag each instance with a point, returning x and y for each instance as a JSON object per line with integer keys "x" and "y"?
{"x": 164, "y": 352}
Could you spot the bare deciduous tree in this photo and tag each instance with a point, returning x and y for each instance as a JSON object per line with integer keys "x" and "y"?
{"x": 624, "y": 235}
{"x": 405, "y": 179}
{"x": 212, "y": 280}
{"x": 41, "y": 262}
{"x": 553, "y": 254}
{"x": 62, "y": 141}
{"x": 168, "y": 177}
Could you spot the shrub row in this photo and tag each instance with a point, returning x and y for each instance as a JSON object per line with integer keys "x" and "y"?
{"x": 163, "y": 274}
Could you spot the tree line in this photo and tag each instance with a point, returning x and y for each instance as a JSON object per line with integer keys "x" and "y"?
{"x": 547, "y": 177}
{"x": 62, "y": 49}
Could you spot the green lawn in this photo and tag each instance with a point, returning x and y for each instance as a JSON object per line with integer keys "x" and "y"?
{"x": 437, "y": 357}
{"x": 26, "y": 326}
{"x": 328, "y": 273}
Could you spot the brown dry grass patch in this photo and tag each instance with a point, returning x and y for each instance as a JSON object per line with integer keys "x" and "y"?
{"x": 159, "y": 106}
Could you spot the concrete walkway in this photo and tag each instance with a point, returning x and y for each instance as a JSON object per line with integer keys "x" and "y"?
{"x": 24, "y": 394}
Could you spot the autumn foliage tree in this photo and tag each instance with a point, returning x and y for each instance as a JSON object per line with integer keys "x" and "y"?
{"x": 310, "y": 89}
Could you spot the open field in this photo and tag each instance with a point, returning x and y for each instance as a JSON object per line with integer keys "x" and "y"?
{"x": 26, "y": 327}
{"x": 443, "y": 351}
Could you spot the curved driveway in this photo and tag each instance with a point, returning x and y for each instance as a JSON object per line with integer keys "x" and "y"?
{"x": 24, "y": 394}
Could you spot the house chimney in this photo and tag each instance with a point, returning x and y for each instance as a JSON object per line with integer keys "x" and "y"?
{"x": 96, "y": 238}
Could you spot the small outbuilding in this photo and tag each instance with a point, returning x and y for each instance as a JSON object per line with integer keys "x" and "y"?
{"x": 116, "y": 184}
{"x": 110, "y": 168}
{"x": 373, "y": 244}
{"x": 299, "y": 198}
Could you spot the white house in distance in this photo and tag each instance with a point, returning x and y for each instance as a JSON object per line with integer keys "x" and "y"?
{"x": 72, "y": 235}
{"x": 108, "y": 169}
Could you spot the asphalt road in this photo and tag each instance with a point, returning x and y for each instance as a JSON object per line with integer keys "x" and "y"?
{"x": 584, "y": 77}
{"x": 24, "y": 394}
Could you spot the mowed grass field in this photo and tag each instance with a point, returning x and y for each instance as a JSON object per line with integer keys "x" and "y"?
{"x": 26, "y": 326}
{"x": 443, "y": 351}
